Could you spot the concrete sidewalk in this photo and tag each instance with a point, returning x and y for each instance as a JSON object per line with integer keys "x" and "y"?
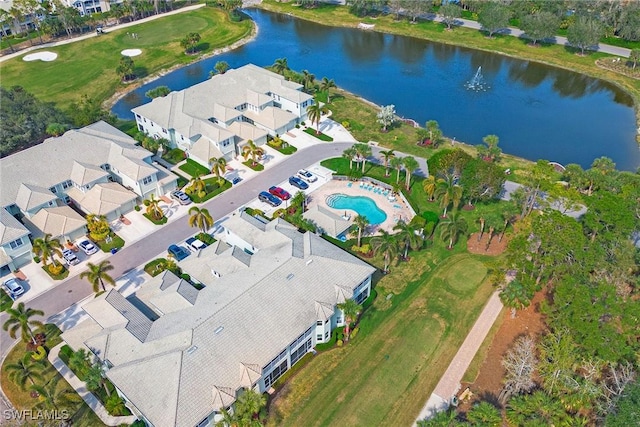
{"x": 80, "y": 387}
{"x": 449, "y": 384}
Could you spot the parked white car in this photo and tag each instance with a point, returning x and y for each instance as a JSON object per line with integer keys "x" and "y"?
{"x": 307, "y": 176}
{"x": 70, "y": 257}
{"x": 87, "y": 247}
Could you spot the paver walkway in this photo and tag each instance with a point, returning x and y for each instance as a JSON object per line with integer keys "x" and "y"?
{"x": 449, "y": 384}
{"x": 88, "y": 397}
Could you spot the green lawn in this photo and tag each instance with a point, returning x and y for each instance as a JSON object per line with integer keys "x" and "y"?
{"x": 115, "y": 242}
{"x": 160, "y": 221}
{"x": 174, "y": 156}
{"x": 258, "y": 167}
{"x": 212, "y": 189}
{"x": 321, "y": 136}
{"x": 89, "y": 66}
{"x": 384, "y": 376}
{"x": 194, "y": 168}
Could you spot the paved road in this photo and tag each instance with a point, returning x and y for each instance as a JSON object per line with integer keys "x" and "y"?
{"x": 515, "y": 32}
{"x": 75, "y": 289}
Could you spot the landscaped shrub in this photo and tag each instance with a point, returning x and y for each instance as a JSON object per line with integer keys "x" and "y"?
{"x": 206, "y": 238}
{"x": 40, "y": 353}
{"x": 186, "y": 277}
{"x": 137, "y": 208}
{"x": 430, "y": 216}
{"x": 354, "y": 332}
{"x": 370, "y": 299}
{"x": 340, "y": 343}
{"x": 36, "y": 259}
{"x": 332, "y": 342}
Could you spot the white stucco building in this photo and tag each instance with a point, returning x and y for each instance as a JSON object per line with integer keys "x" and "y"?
{"x": 217, "y": 117}
{"x": 179, "y": 356}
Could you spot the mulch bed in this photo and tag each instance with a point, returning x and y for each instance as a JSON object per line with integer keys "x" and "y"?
{"x": 480, "y": 247}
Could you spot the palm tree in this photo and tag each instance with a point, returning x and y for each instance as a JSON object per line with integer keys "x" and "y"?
{"x": 221, "y": 67}
{"x": 218, "y": 168}
{"x": 280, "y": 65}
{"x": 52, "y": 396}
{"x": 482, "y": 222}
{"x": 397, "y": 164}
{"x": 386, "y": 156}
{"x": 307, "y": 79}
{"x": 362, "y": 152}
{"x": 26, "y": 369}
{"x": 98, "y": 226}
{"x": 408, "y": 236}
{"x": 299, "y": 199}
{"x": 79, "y": 361}
{"x": 153, "y": 208}
{"x": 410, "y": 165}
{"x": 326, "y": 85}
{"x": 315, "y": 112}
{"x": 46, "y": 247}
{"x": 430, "y": 184}
{"x": 249, "y": 404}
{"x": 97, "y": 275}
{"x": 349, "y": 153}
{"x": 434, "y": 132}
{"x": 197, "y": 186}
{"x": 253, "y": 151}
{"x": 200, "y": 218}
{"x": 386, "y": 244}
{"x": 509, "y": 216}
{"x": 449, "y": 192}
{"x": 361, "y": 222}
{"x": 351, "y": 310}
{"x": 490, "y": 150}
{"x": 452, "y": 226}
{"x": 20, "y": 319}
{"x": 484, "y": 414}
{"x": 515, "y": 295}
{"x": 94, "y": 379}
{"x": 6, "y": 18}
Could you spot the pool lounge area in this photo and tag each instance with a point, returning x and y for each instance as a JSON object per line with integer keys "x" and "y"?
{"x": 355, "y": 198}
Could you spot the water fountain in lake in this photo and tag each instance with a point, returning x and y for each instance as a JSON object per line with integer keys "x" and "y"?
{"x": 477, "y": 82}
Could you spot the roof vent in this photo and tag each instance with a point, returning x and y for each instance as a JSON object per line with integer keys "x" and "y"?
{"x": 192, "y": 349}
{"x": 309, "y": 261}
{"x": 218, "y": 330}
{"x": 290, "y": 276}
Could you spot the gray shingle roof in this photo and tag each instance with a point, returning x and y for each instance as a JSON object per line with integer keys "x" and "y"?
{"x": 10, "y": 228}
{"x": 237, "y": 324}
{"x": 138, "y": 324}
{"x": 31, "y": 196}
{"x": 91, "y": 145}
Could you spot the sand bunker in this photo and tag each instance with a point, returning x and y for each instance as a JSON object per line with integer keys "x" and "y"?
{"x": 131, "y": 52}
{"x": 42, "y": 56}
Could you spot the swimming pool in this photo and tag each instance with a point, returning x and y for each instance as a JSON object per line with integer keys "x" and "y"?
{"x": 362, "y": 205}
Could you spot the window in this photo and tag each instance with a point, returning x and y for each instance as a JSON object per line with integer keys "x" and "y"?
{"x": 361, "y": 297}
{"x": 326, "y": 335}
{"x": 319, "y": 337}
{"x": 319, "y": 323}
{"x": 67, "y": 184}
{"x": 296, "y": 355}
{"x": 339, "y": 320}
{"x": 275, "y": 374}
{"x": 16, "y": 243}
{"x": 164, "y": 131}
{"x": 53, "y": 190}
{"x": 147, "y": 180}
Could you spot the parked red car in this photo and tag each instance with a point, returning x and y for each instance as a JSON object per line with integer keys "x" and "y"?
{"x": 280, "y": 193}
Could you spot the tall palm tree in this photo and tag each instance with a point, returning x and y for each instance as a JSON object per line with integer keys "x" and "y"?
{"x": 349, "y": 153}
{"x": 6, "y": 18}
{"x": 315, "y": 112}
{"x": 298, "y": 200}
{"x": 362, "y": 152}
{"x": 397, "y": 164}
{"x": 218, "y": 168}
{"x": 410, "y": 165}
{"x": 386, "y": 156}
{"x": 200, "y": 218}
{"x": 20, "y": 320}
{"x": 451, "y": 228}
{"x": 197, "y": 186}
{"x": 351, "y": 310}
{"x": 153, "y": 208}
{"x": 46, "y": 247}
{"x": 52, "y": 396}
{"x": 326, "y": 85}
{"x": 280, "y": 65}
{"x": 429, "y": 186}
{"x": 408, "y": 236}
{"x": 97, "y": 275}
{"x": 387, "y": 244}
{"x": 361, "y": 222}
{"x": 449, "y": 192}
{"x": 516, "y": 296}
{"x": 25, "y": 369}
{"x": 307, "y": 79}
{"x": 253, "y": 151}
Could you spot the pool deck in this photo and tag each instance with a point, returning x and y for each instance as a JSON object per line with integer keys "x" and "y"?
{"x": 395, "y": 210}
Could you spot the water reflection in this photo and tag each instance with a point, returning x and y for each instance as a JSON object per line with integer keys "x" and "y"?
{"x": 536, "y": 110}
{"x": 363, "y": 46}
{"x": 407, "y": 49}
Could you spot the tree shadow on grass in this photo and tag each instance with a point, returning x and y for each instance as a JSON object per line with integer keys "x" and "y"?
{"x": 140, "y": 72}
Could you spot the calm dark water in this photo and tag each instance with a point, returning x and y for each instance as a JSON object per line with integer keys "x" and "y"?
{"x": 537, "y": 111}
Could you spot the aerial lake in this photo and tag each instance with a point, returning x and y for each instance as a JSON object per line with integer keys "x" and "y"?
{"x": 538, "y": 112}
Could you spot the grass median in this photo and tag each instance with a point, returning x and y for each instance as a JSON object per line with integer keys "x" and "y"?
{"x": 89, "y": 66}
